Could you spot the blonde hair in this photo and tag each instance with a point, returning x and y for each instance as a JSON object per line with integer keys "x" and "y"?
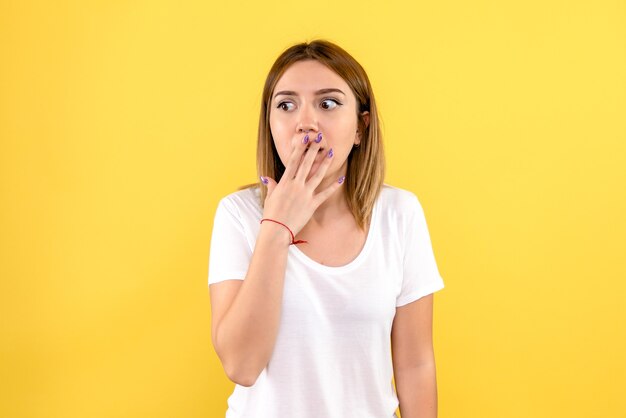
{"x": 366, "y": 163}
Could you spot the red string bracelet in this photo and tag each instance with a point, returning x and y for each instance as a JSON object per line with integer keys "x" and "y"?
{"x": 292, "y": 236}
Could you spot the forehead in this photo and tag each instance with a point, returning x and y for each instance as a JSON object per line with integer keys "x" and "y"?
{"x": 306, "y": 77}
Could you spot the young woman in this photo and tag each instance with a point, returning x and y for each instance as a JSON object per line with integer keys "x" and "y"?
{"x": 320, "y": 272}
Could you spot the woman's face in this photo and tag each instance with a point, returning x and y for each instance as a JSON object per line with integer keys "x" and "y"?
{"x": 310, "y": 97}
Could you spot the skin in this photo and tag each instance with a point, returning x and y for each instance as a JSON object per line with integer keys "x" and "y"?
{"x": 333, "y": 114}
{"x": 414, "y": 359}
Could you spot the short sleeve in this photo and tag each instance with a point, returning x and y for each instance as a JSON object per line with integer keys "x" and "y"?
{"x": 420, "y": 274}
{"x": 230, "y": 253}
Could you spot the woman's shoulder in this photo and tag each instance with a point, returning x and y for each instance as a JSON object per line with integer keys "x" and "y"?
{"x": 401, "y": 208}
{"x": 396, "y": 198}
{"x": 245, "y": 199}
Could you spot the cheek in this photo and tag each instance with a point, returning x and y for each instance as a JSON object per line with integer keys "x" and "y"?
{"x": 278, "y": 128}
{"x": 342, "y": 135}
{"x": 283, "y": 135}
{"x": 280, "y": 143}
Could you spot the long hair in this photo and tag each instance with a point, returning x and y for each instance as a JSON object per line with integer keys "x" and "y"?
{"x": 366, "y": 163}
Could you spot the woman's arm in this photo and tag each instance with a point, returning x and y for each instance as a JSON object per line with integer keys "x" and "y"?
{"x": 414, "y": 359}
{"x": 246, "y": 314}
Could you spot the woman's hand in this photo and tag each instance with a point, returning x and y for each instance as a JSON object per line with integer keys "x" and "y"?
{"x": 292, "y": 201}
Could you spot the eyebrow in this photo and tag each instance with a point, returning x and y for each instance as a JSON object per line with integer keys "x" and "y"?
{"x": 317, "y": 93}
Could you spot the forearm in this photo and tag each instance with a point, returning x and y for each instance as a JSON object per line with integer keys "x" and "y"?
{"x": 247, "y": 334}
{"x": 417, "y": 391}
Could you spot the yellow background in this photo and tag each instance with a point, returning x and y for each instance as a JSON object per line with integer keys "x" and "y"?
{"x": 122, "y": 124}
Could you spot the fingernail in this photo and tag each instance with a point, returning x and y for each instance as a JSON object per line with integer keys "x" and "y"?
{"x": 305, "y": 139}
{"x": 341, "y": 179}
{"x": 319, "y": 138}
{"x": 264, "y": 180}
{"x": 330, "y": 153}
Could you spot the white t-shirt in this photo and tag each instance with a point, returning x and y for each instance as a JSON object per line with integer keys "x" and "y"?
{"x": 332, "y": 357}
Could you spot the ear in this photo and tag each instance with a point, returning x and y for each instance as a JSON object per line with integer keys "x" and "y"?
{"x": 366, "y": 119}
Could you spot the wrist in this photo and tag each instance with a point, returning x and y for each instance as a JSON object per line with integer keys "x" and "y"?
{"x": 276, "y": 233}
{"x": 293, "y": 237}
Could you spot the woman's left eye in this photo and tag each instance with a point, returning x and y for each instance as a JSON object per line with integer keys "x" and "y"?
{"x": 334, "y": 102}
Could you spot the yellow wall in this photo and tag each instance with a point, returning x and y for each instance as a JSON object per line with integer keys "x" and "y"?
{"x": 122, "y": 123}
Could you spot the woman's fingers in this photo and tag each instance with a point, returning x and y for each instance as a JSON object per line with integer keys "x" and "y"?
{"x": 271, "y": 185}
{"x": 317, "y": 178}
{"x": 293, "y": 198}
{"x": 321, "y": 171}
{"x": 294, "y": 158}
{"x": 309, "y": 157}
{"x": 319, "y": 198}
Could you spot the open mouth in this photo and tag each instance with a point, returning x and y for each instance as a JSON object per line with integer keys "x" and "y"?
{"x": 318, "y": 151}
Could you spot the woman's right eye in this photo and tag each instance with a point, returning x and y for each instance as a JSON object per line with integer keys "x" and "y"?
{"x": 282, "y": 105}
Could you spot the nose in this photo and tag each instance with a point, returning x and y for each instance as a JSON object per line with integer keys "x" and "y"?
{"x": 307, "y": 119}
